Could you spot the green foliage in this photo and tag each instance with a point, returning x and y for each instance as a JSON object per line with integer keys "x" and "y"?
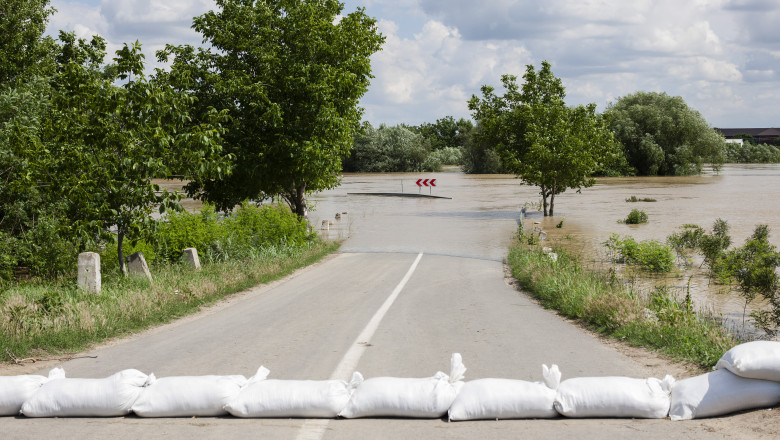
{"x": 753, "y": 266}
{"x": 447, "y": 156}
{"x": 479, "y": 156}
{"x": 23, "y": 47}
{"x": 290, "y": 73}
{"x": 713, "y": 247}
{"x": 634, "y": 199}
{"x": 390, "y": 149}
{"x": 241, "y": 235}
{"x": 650, "y": 255}
{"x": 447, "y": 133}
{"x": 540, "y": 139}
{"x": 662, "y": 135}
{"x": 636, "y": 217}
{"x": 751, "y": 153}
{"x": 605, "y": 305}
{"x": 111, "y": 140}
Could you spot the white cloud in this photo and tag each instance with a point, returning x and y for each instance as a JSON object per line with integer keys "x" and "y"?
{"x": 721, "y": 56}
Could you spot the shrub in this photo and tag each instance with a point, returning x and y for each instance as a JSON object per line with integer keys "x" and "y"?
{"x": 634, "y": 199}
{"x": 181, "y": 230}
{"x": 636, "y": 217}
{"x": 650, "y": 255}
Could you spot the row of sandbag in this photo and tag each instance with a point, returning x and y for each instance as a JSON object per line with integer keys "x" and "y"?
{"x": 748, "y": 376}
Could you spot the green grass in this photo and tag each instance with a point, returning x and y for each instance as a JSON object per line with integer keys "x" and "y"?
{"x": 655, "y": 320}
{"x": 45, "y": 318}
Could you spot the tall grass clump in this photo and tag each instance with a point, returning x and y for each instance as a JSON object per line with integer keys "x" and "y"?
{"x": 656, "y": 320}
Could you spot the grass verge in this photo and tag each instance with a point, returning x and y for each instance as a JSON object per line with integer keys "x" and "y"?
{"x": 39, "y": 319}
{"x": 657, "y": 320}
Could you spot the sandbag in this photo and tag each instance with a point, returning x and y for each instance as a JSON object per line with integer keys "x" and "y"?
{"x": 107, "y": 397}
{"x": 720, "y": 392}
{"x": 15, "y": 390}
{"x": 187, "y": 396}
{"x": 263, "y": 397}
{"x": 429, "y": 397}
{"x": 753, "y": 360}
{"x": 507, "y": 398}
{"x": 614, "y": 397}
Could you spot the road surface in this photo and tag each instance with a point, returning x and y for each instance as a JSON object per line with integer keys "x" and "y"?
{"x": 415, "y": 281}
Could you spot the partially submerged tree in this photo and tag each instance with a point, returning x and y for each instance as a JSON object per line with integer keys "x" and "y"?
{"x": 663, "y": 136}
{"x": 290, "y": 73}
{"x": 540, "y": 139}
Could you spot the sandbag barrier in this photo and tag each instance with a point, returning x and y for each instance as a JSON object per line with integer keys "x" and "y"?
{"x": 746, "y": 377}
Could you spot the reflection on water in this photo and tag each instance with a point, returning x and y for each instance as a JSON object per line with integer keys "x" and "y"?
{"x": 743, "y": 195}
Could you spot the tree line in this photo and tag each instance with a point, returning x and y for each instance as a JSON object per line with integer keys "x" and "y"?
{"x": 531, "y": 132}
{"x": 266, "y": 108}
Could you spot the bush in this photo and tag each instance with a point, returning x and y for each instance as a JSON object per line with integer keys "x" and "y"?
{"x": 636, "y": 217}
{"x": 181, "y": 230}
{"x": 235, "y": 237}
{"x": 650, "y": 255}
{"x": 447, "y": 156}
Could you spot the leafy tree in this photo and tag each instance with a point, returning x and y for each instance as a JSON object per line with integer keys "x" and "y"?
{"x": 447, "y": 132}
{"x": 113, "y": 132}
{"x": 22, "y": 46}
{"x": 479, "y": 156}
{"x": 388, "y": 149}
{"x": 662, "y": 135}
{"x": 290, "y": 73}
{"x": 540, "y": 139}
{"x": 754, "y": 266}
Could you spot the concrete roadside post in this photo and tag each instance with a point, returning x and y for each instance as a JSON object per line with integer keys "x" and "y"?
{"x": 190, "y": 258}
{"x": 136, "y": 265}
{"x": 89, "y": 272}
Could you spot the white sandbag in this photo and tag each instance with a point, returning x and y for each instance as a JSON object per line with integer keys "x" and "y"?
{"x": 614, "y": 397}
{"x": 263, "y": 397}
{"x": 507, "y": 398}
{"x": 429, "y": 397}
{"x": 108, "y": 397}
{"x": 720, "y": 392}
{"x": 753, "y": 360}
{"x": 187, "y": 396}
{"x": 15, "y": 390}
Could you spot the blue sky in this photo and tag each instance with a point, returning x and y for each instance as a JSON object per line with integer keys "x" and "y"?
{"x": 721, "y": 56}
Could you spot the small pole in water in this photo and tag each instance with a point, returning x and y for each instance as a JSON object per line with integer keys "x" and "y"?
{"x": 402, "y": 186}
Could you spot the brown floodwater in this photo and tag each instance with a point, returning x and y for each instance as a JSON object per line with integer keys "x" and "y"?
{"x": 743, "y": 195}
{"x": 480, "y": 217}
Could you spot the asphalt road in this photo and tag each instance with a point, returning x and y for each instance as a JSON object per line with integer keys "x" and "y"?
{"x": 408, "y": 290}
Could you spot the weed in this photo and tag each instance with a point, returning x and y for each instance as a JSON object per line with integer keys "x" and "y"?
{"x": 634, "y": 199}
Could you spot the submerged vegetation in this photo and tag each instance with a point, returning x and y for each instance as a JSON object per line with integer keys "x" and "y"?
{"x": 656, "y": 319}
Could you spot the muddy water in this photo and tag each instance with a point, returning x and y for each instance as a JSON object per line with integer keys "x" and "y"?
{"x": 744, "y": 195}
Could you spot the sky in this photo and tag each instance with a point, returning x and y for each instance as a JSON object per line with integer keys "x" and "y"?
{"x": 721, "y": 56}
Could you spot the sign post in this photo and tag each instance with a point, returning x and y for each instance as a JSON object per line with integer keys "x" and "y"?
{"x": 430, "y": 183}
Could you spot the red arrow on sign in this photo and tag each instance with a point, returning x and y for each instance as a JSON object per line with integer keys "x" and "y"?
{"x": 433, "y": 182}
{"x": 425, "y": 182}
{"x": 418, "y": 182}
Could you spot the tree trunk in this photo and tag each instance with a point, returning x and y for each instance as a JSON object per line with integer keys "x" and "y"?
{"x": 544, "y": 199}
{"x": 120, "y": 253}
{"x": 296, "y": 198}
{"x": 552, "y": 202}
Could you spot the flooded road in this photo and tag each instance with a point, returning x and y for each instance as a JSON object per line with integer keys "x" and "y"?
{"x": 743, "y": 195}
